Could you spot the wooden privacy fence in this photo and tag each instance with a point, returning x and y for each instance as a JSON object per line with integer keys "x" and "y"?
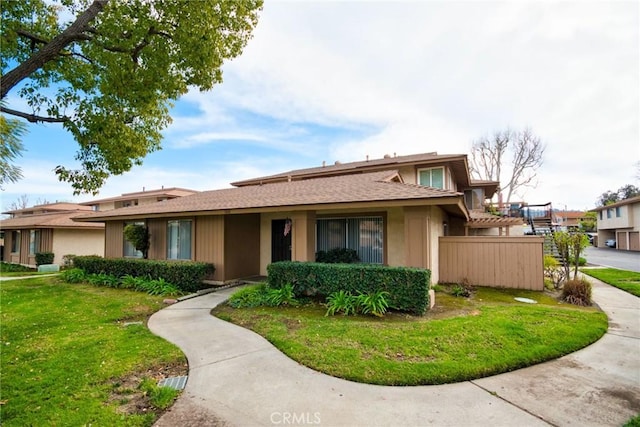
{"x": 495, "y": 261}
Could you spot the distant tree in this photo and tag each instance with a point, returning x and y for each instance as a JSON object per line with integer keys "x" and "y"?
{"x": 589, "y": 221}
{"x": 624, "y": 192}
{"x": 511, "y": 157}
{"x": 22, "y": 202}
{"x": 110, "y": 73}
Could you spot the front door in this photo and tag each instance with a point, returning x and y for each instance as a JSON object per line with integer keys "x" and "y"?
{"x": 281, "y": 240}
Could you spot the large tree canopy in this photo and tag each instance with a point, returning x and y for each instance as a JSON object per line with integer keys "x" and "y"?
{"x": 108, "y": 70}
{"x": 507, "y": 156}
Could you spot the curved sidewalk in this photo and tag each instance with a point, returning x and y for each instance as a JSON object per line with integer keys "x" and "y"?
{"x": 237, "y": 378}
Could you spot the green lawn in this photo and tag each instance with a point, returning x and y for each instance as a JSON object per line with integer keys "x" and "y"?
{"x": 68, "y": 359}
{"x": 626, "y": 280}
{"x": 461, "y": 339}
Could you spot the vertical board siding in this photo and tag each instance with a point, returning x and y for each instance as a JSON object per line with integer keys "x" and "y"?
{"x": 113, "y": 239}
{"x": 210, "y": 237}
{"x": 502, "y": 262}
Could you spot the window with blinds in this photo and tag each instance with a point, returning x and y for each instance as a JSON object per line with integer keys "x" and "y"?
{"x": 179, "y": 239}
{"x": 362, "y": 234}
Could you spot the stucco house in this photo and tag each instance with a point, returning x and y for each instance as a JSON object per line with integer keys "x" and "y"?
{"x": 392, "y": 211}
{"x": 50, "y": 227}
{"x": 620, "y": 221}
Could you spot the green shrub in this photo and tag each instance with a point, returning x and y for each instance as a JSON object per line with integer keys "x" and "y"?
{"x": 373, "y": 303}
{"x": 281, "y": 296}
{"x": 553, "y": 273}
{"x": 44, "y": 258}
{"x": 341, "y": 302}
{"x": 138, "y": 236}
{"x": 345, "y": 302}
{"x": 338, "y": 255}
{"x": 186, "y": 275}
{"x": 577, "y": 291}
{"x": 73, "y": 275}
{"x": 408, "y": 288}
{"x": 249, "y": 297}
{"x": 8, "y": 267}
{"x": 581, "y": 262}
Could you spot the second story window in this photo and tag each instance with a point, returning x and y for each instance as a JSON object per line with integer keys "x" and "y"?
{"x": 433, "y": 177}
{"x": 618, "y": 212}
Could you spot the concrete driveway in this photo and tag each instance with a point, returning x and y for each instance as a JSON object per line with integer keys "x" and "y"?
{"x": 238, "y": 378}
{"x": 607, "y": 257}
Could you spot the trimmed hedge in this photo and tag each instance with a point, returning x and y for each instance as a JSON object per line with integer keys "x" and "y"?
{"x": 44, "y": 258}
{"x": 408, "y": 287}
{"x": 187, "y": 275}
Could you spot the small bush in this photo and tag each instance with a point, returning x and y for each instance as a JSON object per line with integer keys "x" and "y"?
{"x": 281, "y": 296}
{"x": 7, "y": 267}
{"x": 341, "y": 302}
{"x": 338, "y": 255}
{"x": 581, "y": 262}
{"x": 463, "y": 289}
{"x": 374, "y": 303}
{"x": 249, "y": 297}
{"x": 44, "y": 258}
{"x": 553, "y": 272}
{"x": 73, "y": 275}
{"x": 577, "y": 291}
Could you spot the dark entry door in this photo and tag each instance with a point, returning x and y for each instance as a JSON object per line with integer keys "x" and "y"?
{"x": 280, "y": 243}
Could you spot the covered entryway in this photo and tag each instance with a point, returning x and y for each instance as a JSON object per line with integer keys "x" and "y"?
{"x": 281, "y": 231}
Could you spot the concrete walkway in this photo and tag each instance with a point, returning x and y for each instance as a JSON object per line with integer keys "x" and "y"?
{"x": 237, "y": 378}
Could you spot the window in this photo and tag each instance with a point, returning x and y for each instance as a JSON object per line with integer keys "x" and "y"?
{"x": 609, "y": 213}
{"x": 363, "y": 234}
{"x": 431, "y": 177}
{"x": 600, "y": 215}
{"x": 15, "y": 241}
{"x": 473, "y": 198}
{"x": 179, "y": 239}
{"x": 618, "y": 212}
{"x": 34, "y": 241}
{"x": 128, "y": 250}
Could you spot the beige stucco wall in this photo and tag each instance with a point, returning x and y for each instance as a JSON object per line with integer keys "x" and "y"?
{"x": 77, "y": 242}
{"x": 629, "y": 218}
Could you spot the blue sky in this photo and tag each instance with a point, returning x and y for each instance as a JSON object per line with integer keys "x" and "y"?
{"x": 327, "y": 81}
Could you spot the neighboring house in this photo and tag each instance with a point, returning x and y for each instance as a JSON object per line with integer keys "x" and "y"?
{"x": 143, "y": 197}
{"x": 49, "y": 228}
{"x": 568, "y": 220}
{"x": 620, "y": 221}
{"x": 392, "y": 211}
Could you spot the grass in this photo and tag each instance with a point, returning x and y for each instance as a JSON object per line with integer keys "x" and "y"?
{"x": 460, "y": 339}
{"x": 626, "y": 280}
{"x": 69, "y": 359}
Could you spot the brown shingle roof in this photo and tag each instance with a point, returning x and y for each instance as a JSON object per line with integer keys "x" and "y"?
{"x": 459, "y": 163}
{"x": 48, "y": 220}
{"x": 370, "y": 187}
{"x": 50, "y": 207}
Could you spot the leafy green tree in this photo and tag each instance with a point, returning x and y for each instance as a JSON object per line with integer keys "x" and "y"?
{"x": 589, "y": 221}
{"x": 624, "y": 192}
{"x": 110, "y": 76}
{"x": 138, "y": 236}
{"x": 570, "y": 246}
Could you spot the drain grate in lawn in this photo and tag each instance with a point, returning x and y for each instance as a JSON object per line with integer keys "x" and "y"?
{"x": 177, "y": 383}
